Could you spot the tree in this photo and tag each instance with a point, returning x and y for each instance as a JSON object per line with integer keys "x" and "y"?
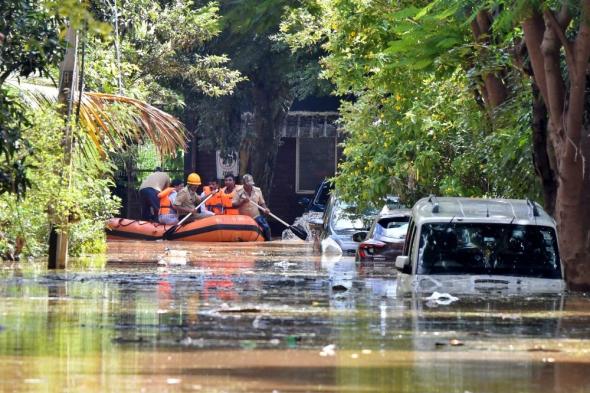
{"x": 275, "y": 77}
{"x": 414, "y": 126}
{"x": 558, "y": 43}
{"x": 30, "y": 43}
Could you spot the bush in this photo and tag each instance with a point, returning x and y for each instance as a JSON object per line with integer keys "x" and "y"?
{"x": 81, "y": 208}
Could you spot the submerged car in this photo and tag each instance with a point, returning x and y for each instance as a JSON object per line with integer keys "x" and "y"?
{"x": 319, "y": 200}
{"x": 385, "y": 240}
{"x": 341, "y": 221}
{"x": 463, "y": 245}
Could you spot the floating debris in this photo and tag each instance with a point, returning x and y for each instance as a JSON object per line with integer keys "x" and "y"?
{"x": 443, "y": 299}
{"x": 330, "y": 247}
{"x": 173, "y": 257}
{"x": 456, "y": 343}
{"x": 239, "y": 310}
{"x": 541, "y": 348}
{"x": 328, "y": 350}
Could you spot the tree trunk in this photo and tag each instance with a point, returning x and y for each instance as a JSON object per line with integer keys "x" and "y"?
{"x": 260, "y": 147}
{"x": 541, "y": 157}
{"x": 566, "y": 129}
{"x": 493, "y": 91}
{"x": 58, "y": 241}
{"x": 572, "y": 212}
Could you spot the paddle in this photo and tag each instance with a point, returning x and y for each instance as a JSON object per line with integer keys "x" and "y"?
{"x": 173, "y": 228}
{"x": 300, "y": 233}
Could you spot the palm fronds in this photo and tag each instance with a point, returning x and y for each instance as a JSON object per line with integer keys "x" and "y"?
{"x": 114, "y": 121}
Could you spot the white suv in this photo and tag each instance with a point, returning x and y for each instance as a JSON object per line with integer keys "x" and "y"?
{"x": 465, "y": 245}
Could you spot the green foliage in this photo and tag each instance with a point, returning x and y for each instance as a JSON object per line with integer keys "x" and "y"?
{"x": 32, "y": 41}
{"x": 33, "y": 34}
{"x": 274, "y": 71}
{"x": 82, "y": 207}
{"x": 414, "y": 127}
{"x": 13, "y": 150}
{"x": 162, "y": 56}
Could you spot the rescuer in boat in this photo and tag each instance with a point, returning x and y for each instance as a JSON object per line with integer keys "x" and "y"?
{"x": 242, "y": 200}
{"x": 187, "y": 199}
{"x": 221, "y": 203}
{"x": 148, "y": 194}
{"x": 211, "y": 205}
{"x": 167, "y": 213}
{"x": 226, "y": 196}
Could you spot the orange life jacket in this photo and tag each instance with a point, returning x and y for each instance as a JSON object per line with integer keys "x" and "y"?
{"x": 165, "y": 204}
{"x": 226, "y": 201}
{"x": 214, "y": 203}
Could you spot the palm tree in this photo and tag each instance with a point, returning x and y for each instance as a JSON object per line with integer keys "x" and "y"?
{"x": 113, "y": 122}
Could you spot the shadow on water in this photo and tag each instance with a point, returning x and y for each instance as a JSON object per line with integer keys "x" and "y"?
{"x": 274, "y": 317}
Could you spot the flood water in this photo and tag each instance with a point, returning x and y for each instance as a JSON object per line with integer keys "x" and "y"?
{"x": 175, "y": 317}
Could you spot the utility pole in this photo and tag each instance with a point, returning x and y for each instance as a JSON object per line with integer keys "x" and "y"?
{"x": 58, "y": 240}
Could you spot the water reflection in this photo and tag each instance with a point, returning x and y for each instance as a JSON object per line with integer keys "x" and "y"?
{"x": 278, "y": 318}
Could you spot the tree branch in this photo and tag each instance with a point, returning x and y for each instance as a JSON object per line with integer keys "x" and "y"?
{"x": 534, "y": 29}
{"x": 551, "y": 55}
{"x": 577, "y": 93}
{"x": 564, "y": 17}
{"x": 554, "y": 25}
{"x": 582, "y": 42}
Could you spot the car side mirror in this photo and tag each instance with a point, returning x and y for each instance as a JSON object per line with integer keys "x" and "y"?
{"x": 303, "y": 202}
{"x": 360, "y": 236}
{"x": 401, "y": 261}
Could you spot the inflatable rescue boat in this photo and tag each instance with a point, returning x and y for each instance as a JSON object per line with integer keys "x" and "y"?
{"x": 230, "y": 228}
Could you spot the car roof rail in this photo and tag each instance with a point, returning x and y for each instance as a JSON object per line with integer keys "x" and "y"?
{"x": 432, "y": 199}
{"x": 533, "y": 206}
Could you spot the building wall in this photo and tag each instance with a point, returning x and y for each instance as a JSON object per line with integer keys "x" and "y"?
{"x": 206, "y": 165}
{"x": 283, "y": 198}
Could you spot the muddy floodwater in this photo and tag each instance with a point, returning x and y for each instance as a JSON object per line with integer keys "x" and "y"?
{"x": 276, "y": 317}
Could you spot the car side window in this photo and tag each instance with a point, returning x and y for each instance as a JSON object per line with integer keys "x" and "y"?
{"x": 409, "y": 238}
{"x": 409, "y": 249}
{"x": 328, "y": 213}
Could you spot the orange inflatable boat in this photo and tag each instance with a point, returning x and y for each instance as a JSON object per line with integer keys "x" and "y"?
{"x": 230, "y": 228}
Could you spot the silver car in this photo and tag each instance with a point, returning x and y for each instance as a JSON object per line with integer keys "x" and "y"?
{"x": 463, "y": 245}
{"x": 341, "y": 221}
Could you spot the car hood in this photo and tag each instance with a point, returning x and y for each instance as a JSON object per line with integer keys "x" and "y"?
{"x": 480, "y": 284}
{"x": 346, "y": 243}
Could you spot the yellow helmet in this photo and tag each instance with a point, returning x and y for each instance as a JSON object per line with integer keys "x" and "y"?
{"x": 193, "y": 179}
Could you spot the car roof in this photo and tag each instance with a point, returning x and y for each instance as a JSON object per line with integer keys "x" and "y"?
{"x": 386, "y": 211}
{"x": 516, "y": 211}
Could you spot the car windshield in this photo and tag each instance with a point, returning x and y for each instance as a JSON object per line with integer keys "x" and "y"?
{"x": 345, "y": 218}
{"x": 323, "y": 194}
{"x": 392, "y": 227}
{"x": 495, "y": 249}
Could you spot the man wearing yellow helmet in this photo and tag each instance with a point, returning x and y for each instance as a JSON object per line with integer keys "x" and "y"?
{"x": 188, "y": 198}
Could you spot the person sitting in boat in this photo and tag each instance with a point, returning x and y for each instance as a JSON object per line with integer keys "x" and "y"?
{"x": 148, "y": 194}
{"x": 226, "y": 195}
{"x": 242, "y": 199}
{"x": 211, "y": 206}
{"x": 167, "y": 213}
{"x": 187, "y": 199}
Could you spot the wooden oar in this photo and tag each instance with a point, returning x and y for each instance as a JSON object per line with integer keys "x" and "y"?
{"x": 300, "y": 233}
{"x": 173, "y": 228}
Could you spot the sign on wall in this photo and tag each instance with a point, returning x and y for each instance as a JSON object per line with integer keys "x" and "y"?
{"x": 227, "y": 165}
